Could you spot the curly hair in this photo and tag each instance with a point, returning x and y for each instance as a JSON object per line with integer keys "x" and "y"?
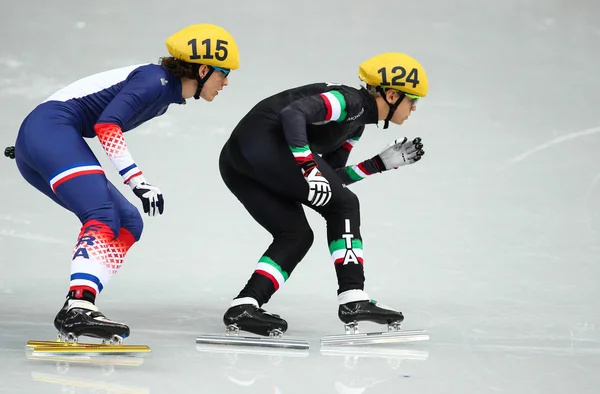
{"x": 178, "y": 68}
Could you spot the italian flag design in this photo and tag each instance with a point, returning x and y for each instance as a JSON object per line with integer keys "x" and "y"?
{"x": 345, "y": 251}
{"x": 357, "y": 172}
{"x": 349, "y": 144}
{"x": 336, "y": 106}
{"x": 302, "y": 153}
{"x": 272, "y": 270}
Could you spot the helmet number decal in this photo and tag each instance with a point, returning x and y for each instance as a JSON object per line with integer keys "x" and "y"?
{"x": 220, "y": 53}
{"x": 399, "y": 73}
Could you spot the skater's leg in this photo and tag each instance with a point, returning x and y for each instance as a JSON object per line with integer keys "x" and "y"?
{"x": 53, "y": 149}
{"x": 283, "y": 218}
{"x": 74, "y": 177}
{"x": 342, "y": 215}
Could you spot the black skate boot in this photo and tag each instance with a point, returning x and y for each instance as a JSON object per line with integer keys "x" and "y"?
{"x": 248, "y": 317}
{"x": 73, "y": 295}
{"x": 368, "y": 311}
{"x": 60, "y": 316}
{"x": 354, "y": 312}
{"x": 82, "y": 318}
{"x": 355, "y": 307}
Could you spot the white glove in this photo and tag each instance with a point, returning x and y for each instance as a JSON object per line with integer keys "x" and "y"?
{"x": 319, "y": 190}
{"x": 400, "y": 153}
{"x": 151, "y": 196}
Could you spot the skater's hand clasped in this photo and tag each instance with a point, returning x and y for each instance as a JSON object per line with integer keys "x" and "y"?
{"x": 400, "y": 153}
{"x": 319, "y": 190}
{"x": 151, "y": 196}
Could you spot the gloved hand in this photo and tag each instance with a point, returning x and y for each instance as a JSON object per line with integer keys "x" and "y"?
{"x": 151, "y": 196}
{"x": 400, "y": 153}
{"x": 319, "y": 190}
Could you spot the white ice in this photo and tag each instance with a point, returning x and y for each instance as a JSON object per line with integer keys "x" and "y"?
{"x": 491, "y": 243}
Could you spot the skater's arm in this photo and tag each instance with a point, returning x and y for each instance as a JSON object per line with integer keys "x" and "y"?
{"x": 140, "y": 90}
{"x": 396, "y": 154}
{"x": 359, "y": 171}
{"x": 338, "y": 160}
{"x": 339, "y": 157}
{"x": 324, "y": 107}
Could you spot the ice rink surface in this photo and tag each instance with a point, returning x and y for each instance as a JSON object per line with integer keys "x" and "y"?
{"x": 491, "y": 242}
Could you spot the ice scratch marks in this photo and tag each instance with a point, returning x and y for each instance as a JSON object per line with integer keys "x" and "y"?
{"x": 550, "y": 143}
{"x": 10, "y": 231}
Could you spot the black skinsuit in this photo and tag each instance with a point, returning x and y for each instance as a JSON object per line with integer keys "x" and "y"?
{"x": 258, "y": 166}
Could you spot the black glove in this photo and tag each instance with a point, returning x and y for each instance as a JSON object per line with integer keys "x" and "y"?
{"x": 151, "y": 196}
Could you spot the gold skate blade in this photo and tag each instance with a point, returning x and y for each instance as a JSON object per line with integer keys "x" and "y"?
{"x": 34, "y": 344}
{"x": 53, "y": 348}
{"x": 369, "y": 338}
{"x": 267, "y": 342}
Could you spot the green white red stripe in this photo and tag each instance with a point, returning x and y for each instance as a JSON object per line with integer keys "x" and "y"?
{"x": 336, "y": 106}
{"x": 270, "y": 269}
{"x": 357, "y": 172}
{"x": 346, "y": 251}
{"x": 349, "y": 144}
{"x": 302, "y": 153}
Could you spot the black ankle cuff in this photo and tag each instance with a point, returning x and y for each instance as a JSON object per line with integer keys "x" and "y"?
{"x": 84, "y": 295}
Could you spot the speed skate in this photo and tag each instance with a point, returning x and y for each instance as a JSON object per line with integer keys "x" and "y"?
{"x": 352, "y": 313}
{"x": 79, "y": 318}
{"x": 268, "y": 328}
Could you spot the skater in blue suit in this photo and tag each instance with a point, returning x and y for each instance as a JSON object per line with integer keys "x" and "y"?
{"x": 53, "y": 157}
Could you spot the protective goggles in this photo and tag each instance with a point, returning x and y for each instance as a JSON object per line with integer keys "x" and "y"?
{"x": 225, "y": 71}
{"x": 414, "y": 98}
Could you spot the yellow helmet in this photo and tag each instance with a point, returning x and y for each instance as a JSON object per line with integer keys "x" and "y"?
{"x": 205, "y": 43}
{"x": 395, "y": 70}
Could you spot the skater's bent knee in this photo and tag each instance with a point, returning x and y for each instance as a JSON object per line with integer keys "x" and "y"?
{"x": 303, "y": 238}
{"x": 131, "y": 220}
{"x": 348, "y": 201}
{"x": 307, "y": 236}
{"x": 107, "y": 215}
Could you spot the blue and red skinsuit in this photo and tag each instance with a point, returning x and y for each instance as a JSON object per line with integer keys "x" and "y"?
{"x": 53, "y": 157}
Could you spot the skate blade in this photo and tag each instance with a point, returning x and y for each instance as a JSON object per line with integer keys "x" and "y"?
{"x": 378, "y": 352}
{"x": 256, "y": 351}
{"x": 53, "y": 348}
{"x": 369, "y": 338}
{"x": 34, "y": 344}
{"x": 266, "y": 342}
